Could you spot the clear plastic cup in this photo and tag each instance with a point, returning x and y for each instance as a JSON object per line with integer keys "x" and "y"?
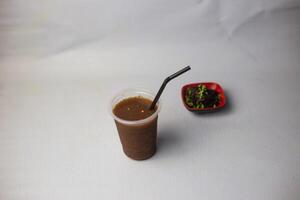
{"x": 138, "y": 138}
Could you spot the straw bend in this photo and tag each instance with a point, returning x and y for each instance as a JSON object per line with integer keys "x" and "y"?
{"x": 162, "y": 87}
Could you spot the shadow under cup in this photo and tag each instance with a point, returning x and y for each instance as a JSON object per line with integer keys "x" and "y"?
{"x": 138, "y": 138}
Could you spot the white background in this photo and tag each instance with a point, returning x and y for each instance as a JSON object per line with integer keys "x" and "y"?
{"x": 61, "y": 61}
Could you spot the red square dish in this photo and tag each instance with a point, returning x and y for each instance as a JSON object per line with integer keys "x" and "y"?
{"x": 209, "y": 85}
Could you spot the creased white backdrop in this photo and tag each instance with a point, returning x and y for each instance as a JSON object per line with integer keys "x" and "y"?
{"x": 61, "y": 61}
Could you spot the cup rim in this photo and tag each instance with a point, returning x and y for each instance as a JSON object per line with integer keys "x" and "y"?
{"x": 141, "y": 91}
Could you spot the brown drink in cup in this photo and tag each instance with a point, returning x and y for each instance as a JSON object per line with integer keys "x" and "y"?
{"x": 136, "y": 124}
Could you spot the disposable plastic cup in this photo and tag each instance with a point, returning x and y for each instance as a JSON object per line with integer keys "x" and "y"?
{"x": 138, "y": 138}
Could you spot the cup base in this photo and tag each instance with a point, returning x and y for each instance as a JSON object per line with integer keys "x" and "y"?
{"x": 148, "y": 156}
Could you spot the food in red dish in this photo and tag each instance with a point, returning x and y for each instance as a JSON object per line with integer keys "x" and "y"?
{"x": 203, "y": 96}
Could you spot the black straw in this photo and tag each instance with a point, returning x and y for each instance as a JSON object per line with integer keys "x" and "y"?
{"x": 162, "y": 87}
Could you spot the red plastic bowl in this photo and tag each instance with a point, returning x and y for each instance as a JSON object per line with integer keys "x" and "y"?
{"x": 209, "y": 85}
